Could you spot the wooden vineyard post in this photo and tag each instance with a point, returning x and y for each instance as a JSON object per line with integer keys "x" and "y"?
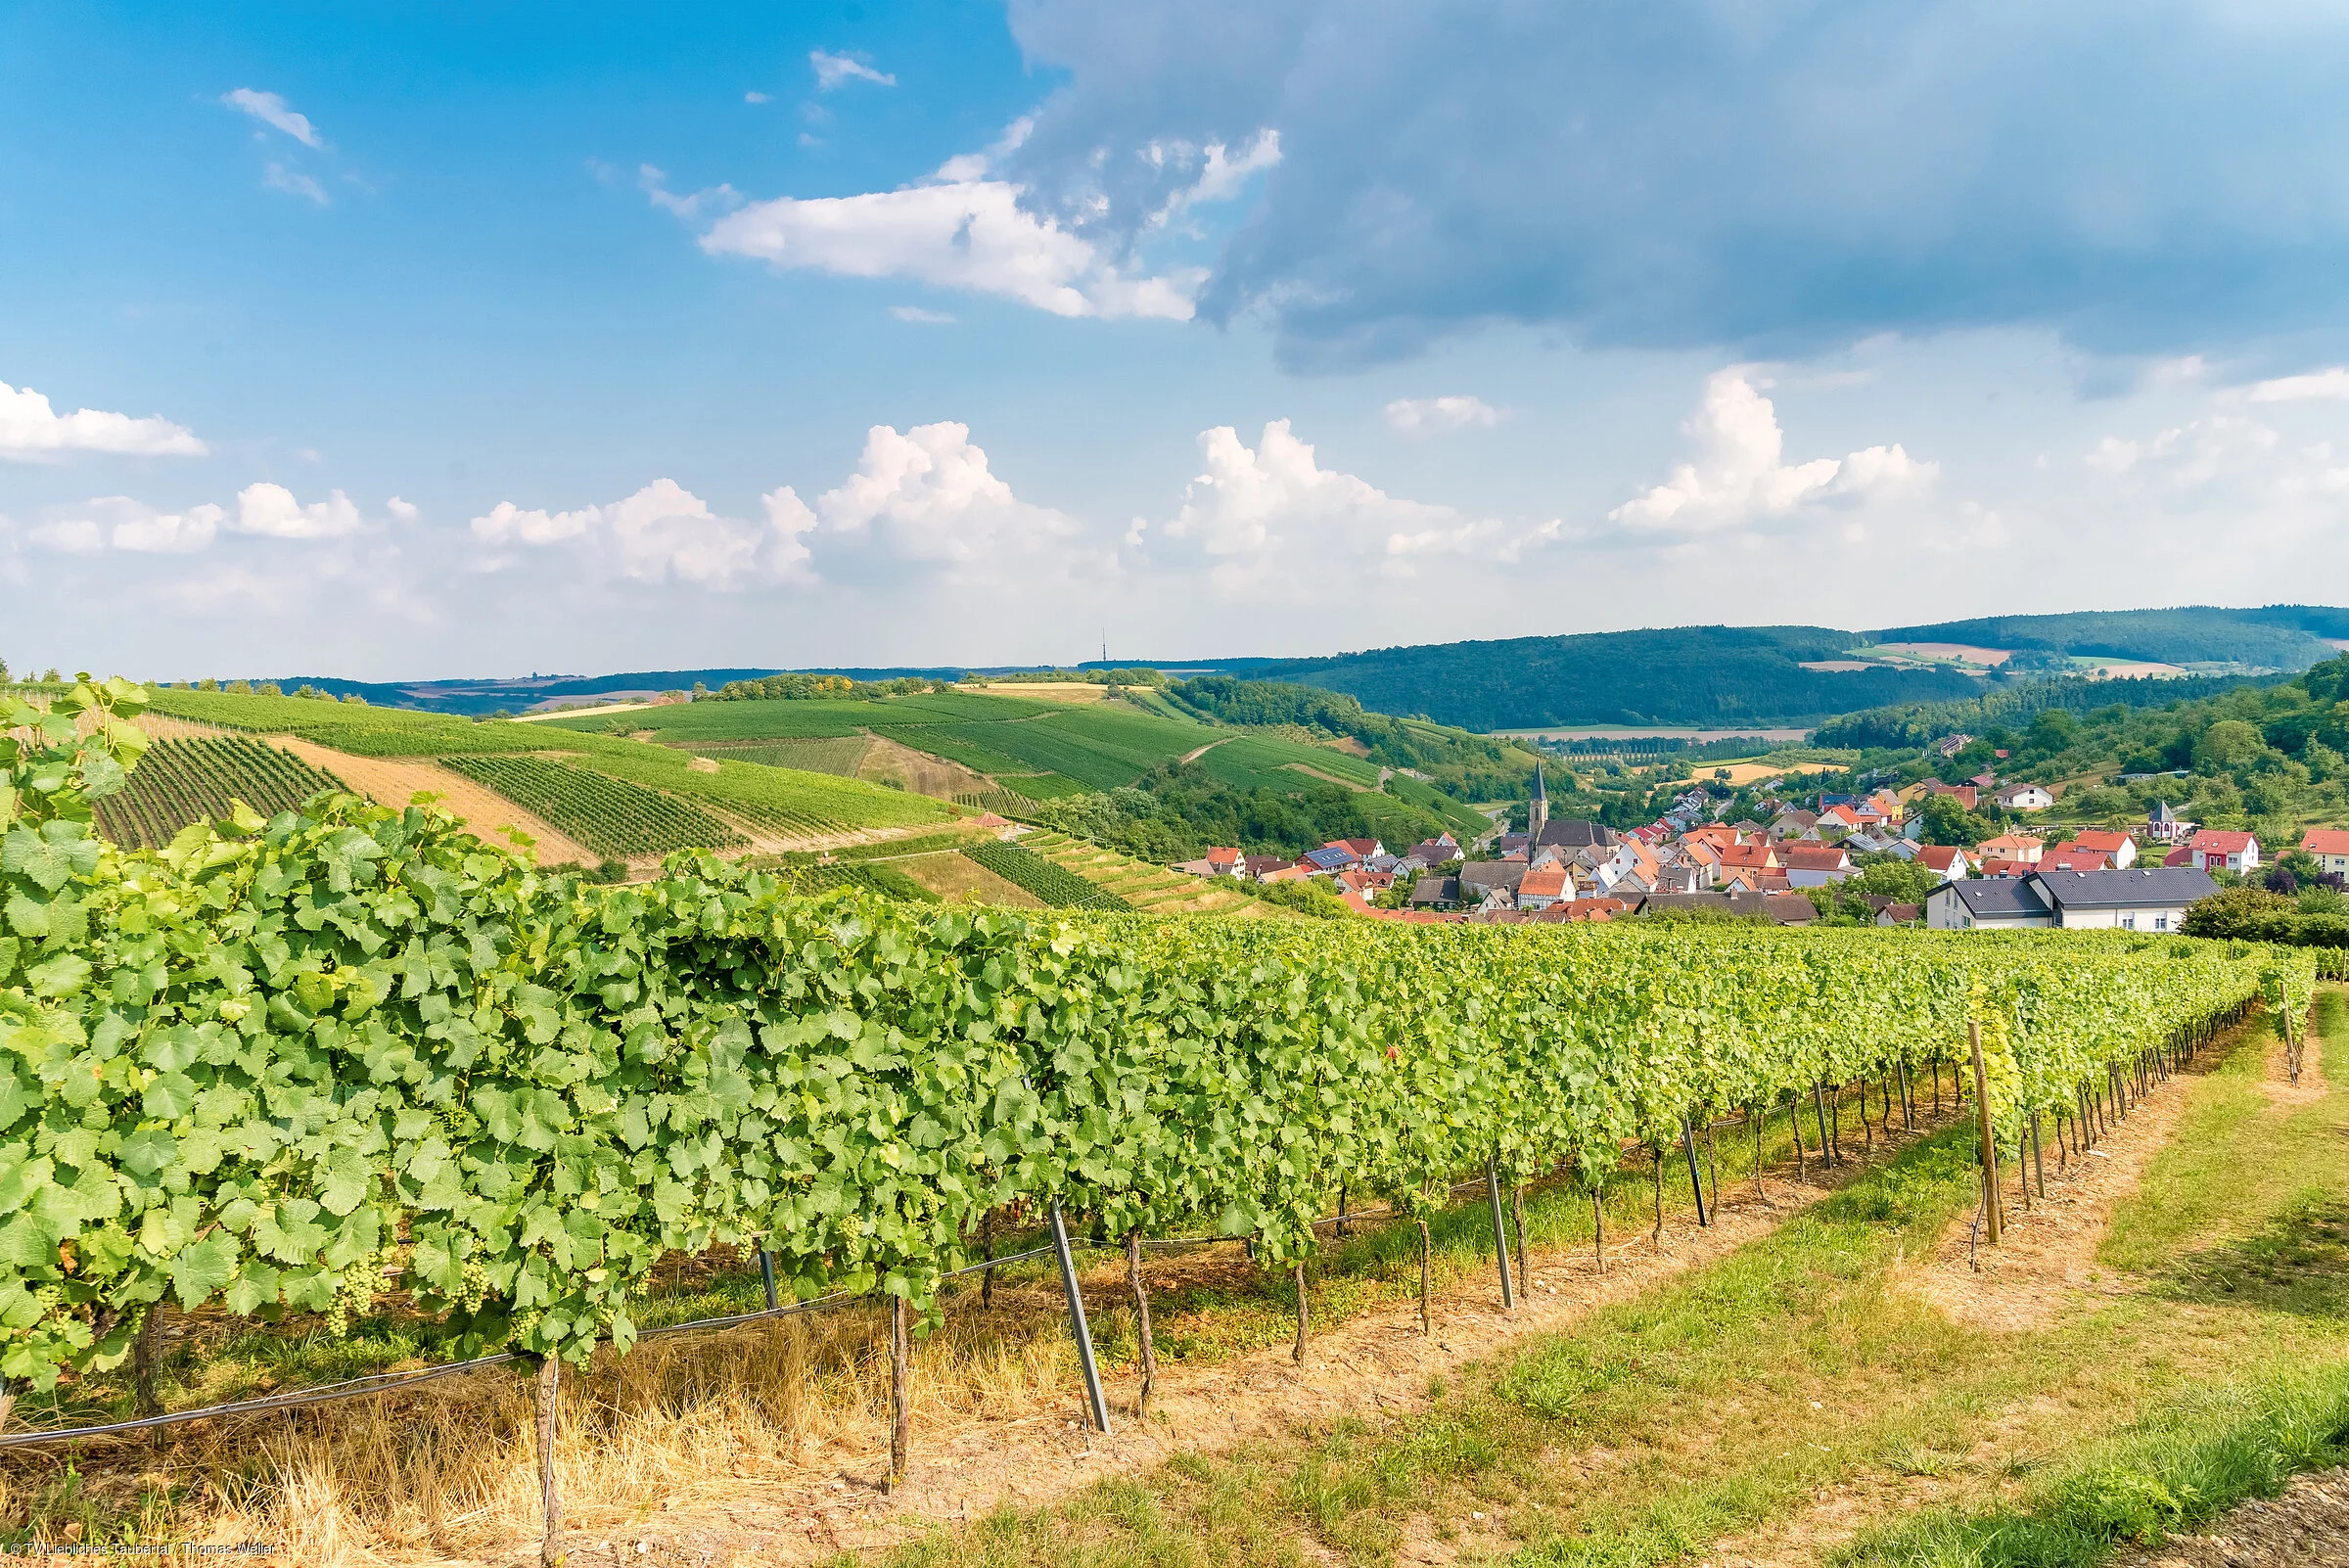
{"x": 1598, "y": 1231}
{"x": 1095, "y": 1402}
{"x": 1989, "y": 1144}
{"x": 1818, "y": 1106}
{"x": 1297, "y": 1355}
{"x": 900, "y": 1392}
{"x": 1525, "y": 1254}
{"x": 766, "y": 1277}
{"x": 2038, "y": 1163}
{"x": 1696, "y": 1184}
{"x": 987, "y": 1279}
{"x": 550, "y": 1497}
{"x": 1427, "y": 1248}
{"x": 1501, "y": 1234}
{"x": 148, "y": 1361}
{"x": 1141, "y": 1319}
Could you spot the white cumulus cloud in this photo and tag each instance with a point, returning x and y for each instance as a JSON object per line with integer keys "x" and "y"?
{"x": 273, "y": 511}
{"x": 834, "y": 71}
{"x": 2322, "y": 384}
{"x": 1425, "y": 416}
{"x": 967, "y": 233}
{"x": 663, "y": 533}
{"x": 1739, "y": 477}
{"x": 270, "y": 109}
{"x": 919, "y": 316}
{"x": 928, "y": 497}
{"x": 1271, "y": 522}
{"x": 31, "y": 431}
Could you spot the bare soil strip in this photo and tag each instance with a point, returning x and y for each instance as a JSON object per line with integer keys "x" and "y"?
{"x": 2308, "y": 1526}
{"x": 391, "y": 781}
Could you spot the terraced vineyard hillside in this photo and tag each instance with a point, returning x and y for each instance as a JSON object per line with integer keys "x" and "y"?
{"x": 1153, "y": 889}
{"x": 186, "y": 780}
{"x": 710, "y": 801}
{"x": 608, "y": 815}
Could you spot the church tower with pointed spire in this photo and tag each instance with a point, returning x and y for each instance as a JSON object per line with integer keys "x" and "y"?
{"x": 1537, "y": 810}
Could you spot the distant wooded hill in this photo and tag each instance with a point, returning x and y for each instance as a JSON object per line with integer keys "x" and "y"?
{"x": 1681, "y": 675}
{"x": 2278, "y": 637}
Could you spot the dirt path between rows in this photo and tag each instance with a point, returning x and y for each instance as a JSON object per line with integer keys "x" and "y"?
{"x": 391, "y": 781}
{"x": 1378, "y": 1364}
{"x": 2044, "y": 1269}
{"x": 2308, "y": 1526}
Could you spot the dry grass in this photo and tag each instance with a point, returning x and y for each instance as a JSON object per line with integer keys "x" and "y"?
{"x": 955, "y": 876}
{"x": 448, "y": 1475}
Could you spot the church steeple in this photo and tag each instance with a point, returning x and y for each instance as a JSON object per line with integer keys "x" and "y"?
{"x": 1537, "y": 810}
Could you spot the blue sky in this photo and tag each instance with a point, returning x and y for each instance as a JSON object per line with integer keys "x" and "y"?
{"x": 411, "y": 340}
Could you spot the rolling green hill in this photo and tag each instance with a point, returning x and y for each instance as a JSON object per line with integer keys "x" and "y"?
{"x": 1683, "y": 675}
{"x": 2283, "y": 636}
{"x": 762, "y": 798}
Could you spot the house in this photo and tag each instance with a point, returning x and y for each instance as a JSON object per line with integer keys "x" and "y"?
{"x": 1364, "y": 883}
{"x": 1222, "y": 862}
{"x": 1809, "y": 865}
{"x": 1588, "y": 908}
{"x": 1360, "y": 849}
{"x": 2331, "y": 847}
{"x": 1962, "y": 794}
{"x": 2024, "y": 797}
{"x": 1479, "y": 879}
{"x": 1440, "y": 851}
{"x": 2164, "y": 826}
{"x": 1575, "y": 833}
{"x": 1434, "y": 893}
{"x": 1951, "y": 745}
{"x": 1794, "y": 825}
{"x": 2014, "y": 846}
{"x": 1327, "y": 861}
{"x": 1899, "y": 914}
{"x": 2141, "y": 899}
{"x": 2072, "y": 857}
{"x": 2217, "y": 850}
{"x": 1749, "y": 857}
{"x": 1946, "y": 861}
{"x": 1286, "y": 874}
{"x": 1702, "y": 857}
{"x": 1998, "y": 867}
{"x": 1984, "y": 780}
{"x": 1255, "y": 866}
{"x": 1538, "y": 889}
{"x": 1790, "y": 909}
{"x": 2001, "y": 903}
{"x": 2118, "y": 848}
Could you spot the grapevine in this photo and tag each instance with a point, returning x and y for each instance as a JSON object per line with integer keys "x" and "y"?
{"x": 247, "y": 1069}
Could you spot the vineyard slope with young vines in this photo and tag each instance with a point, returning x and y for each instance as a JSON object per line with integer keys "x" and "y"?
{"x": 265, "y": 1064}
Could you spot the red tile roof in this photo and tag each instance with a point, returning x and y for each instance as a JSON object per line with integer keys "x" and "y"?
{"x": 1815, "y": 857}
{"x": 2104, "y": 839}
{"x": 2223, "y": 841}
{"x": 1547, "y": 883}
{"x": 2325, "y": 840}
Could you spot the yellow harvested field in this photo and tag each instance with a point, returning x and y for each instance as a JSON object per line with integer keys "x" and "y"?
{"x": 953, "y": 875}
{"x": 1743, "y": 773}
{"x": 1043, "y": 691}
{"x": 393, "y": 781}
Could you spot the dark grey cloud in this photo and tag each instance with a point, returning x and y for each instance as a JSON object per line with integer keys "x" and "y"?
{"x": 2146, "y": 177}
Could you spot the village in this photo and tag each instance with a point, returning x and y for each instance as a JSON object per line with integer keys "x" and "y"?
{"x": 1689, "y": 860}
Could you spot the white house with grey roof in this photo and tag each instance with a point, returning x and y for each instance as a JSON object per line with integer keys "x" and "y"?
{"x": 2140, "y": 898}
